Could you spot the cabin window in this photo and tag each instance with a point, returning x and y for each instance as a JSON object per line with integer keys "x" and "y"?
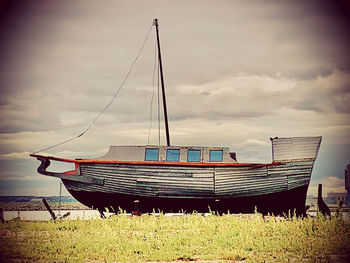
{"x": 215, "y": 156}
{"x": 194, "y": 155}
{"x": 152, "y": 154}
{"x": 173, "y": 155}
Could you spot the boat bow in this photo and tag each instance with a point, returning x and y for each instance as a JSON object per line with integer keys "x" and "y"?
{"x": 73, "y": 175}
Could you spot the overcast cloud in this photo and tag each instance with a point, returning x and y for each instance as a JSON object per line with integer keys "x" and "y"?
{"x": 237, "y": 73}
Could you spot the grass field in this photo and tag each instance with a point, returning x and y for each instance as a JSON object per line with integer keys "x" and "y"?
{"x": 194, "y": 237}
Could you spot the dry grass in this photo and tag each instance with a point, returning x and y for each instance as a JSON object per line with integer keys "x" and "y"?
{"x": 192, "y": 237}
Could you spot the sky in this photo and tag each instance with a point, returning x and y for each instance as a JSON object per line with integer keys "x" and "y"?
{"x": 236, "y": 73}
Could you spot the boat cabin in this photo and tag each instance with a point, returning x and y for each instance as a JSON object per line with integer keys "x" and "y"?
{"x": 153, "y": 153}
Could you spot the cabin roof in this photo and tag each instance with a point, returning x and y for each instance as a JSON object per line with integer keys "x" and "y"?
{"x": 138, "y": 153}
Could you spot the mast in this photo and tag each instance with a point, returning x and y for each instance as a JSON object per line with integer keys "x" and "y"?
{"x": 162, "y": 82}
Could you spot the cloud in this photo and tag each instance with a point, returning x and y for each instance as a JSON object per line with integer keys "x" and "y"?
{"x": 253, "y": 96}
{"x": 246, "y": 74}
{"x": 303, "y": 73}
{"x": 253, "y": 142}
{"x": 329, "y": 184}
{"x": 15, "y": 155}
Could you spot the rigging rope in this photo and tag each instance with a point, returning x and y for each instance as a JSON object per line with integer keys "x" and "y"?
{"x": 109, "y": 104}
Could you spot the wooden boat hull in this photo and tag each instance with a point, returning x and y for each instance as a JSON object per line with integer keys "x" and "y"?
{"x": 147, "y": 186}
{"x": 275, "y": 188}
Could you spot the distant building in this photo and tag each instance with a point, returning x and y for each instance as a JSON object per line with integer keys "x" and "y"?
{"x": 347, "y": 183}
{"x": 335, "y": 198}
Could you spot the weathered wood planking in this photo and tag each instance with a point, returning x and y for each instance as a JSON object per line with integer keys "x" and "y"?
{"x": 194, "y": 182}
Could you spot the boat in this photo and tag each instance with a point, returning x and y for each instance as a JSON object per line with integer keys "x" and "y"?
{"x": 168, "y": 178}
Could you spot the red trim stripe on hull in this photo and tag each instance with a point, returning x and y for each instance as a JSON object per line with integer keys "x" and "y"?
{"x": 253, "y": 165}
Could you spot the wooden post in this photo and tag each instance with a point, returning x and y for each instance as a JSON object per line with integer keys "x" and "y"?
{"x": 322, "y": 207}
{"x": 53, "y": 216}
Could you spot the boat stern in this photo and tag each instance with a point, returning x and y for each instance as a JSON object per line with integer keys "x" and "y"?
{"x": 295, "y": 148}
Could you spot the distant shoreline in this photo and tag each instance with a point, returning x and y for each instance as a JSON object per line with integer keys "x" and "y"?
{"x": 39, "y": 206}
